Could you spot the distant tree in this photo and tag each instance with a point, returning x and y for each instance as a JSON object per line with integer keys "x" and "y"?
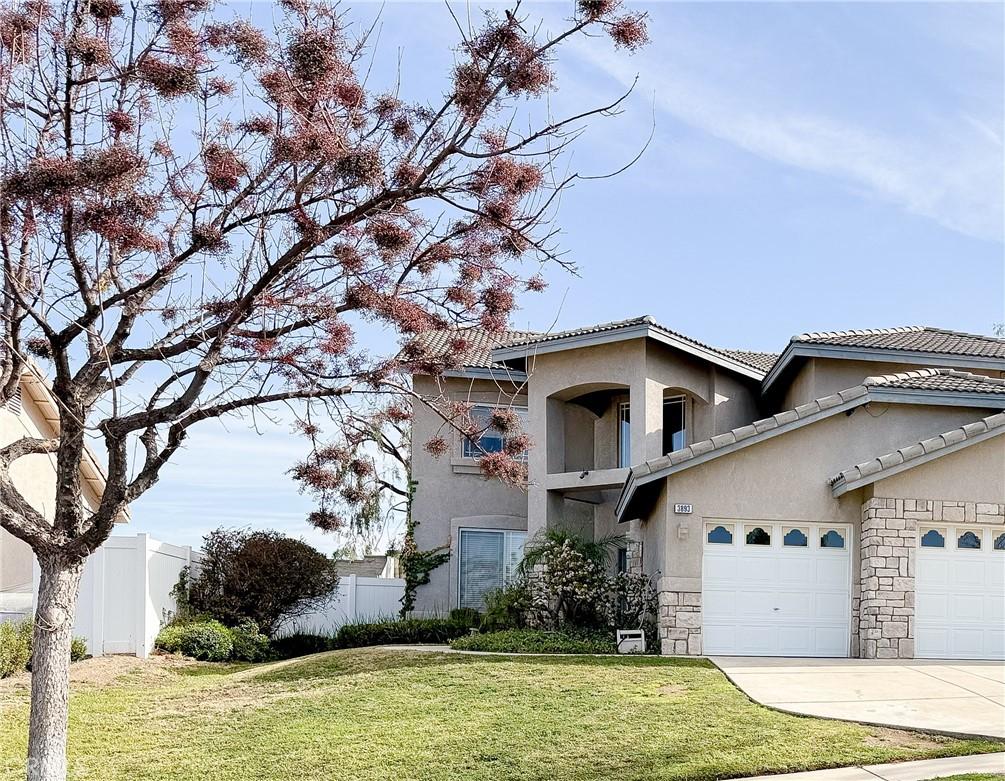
{"x": 262, "y": 575}
{"x": 197, "y": 217}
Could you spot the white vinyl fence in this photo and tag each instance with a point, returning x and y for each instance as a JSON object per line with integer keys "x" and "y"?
{"x": 125, "y": 593}
{"x": 357, "y": 599}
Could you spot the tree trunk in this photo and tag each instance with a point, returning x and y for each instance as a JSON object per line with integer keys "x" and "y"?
{"x": 50, "y": 667}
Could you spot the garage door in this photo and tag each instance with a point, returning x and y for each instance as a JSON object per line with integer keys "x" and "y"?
{"x": 774, "y": 589}
{"x": 960, "y": 600}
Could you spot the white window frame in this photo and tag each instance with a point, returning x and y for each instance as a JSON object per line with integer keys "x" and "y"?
{"x": 683, "y": 399}
{"x": 509, "y": 564}
{"x": 624, "y": 458}
{"x": 466, "y": 442}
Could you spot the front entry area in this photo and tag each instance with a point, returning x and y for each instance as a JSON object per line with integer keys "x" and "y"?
{"x": 776, "y": 589}
{"x": 960, "y": 601}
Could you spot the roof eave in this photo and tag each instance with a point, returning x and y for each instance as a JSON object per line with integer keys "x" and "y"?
{"x": 923, "y": 358}
{"x": 487, "y": 373}
{"x": 625, "y": 333}
{"x": 842, "y": 485}
{"x": 937, "y": 398}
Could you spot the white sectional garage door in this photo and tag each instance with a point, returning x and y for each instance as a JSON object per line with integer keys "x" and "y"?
{"x": 776, "y": 589}
{"x": 960, "y": 599}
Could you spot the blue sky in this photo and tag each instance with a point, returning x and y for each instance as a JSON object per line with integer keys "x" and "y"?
{"x": 814, "y": 166}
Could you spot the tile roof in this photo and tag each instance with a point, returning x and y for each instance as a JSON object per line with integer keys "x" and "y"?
{"x": 912, "y": 338}
{"x": 760, "y": 361}
{"x": 780, "y": 422}
{"x": 898, "y": 459}
{"x": 943, "y": 380}
{"x": 480, "y": 343}
{"x": 367, "y": 567}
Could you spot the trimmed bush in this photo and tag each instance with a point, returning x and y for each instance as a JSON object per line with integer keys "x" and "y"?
{"x": 537, "y": 641}
{"x": 78, "y": 649}
{"x": 208, "y": 641}
{"x": 437, "y": 631}
{"x": 15, "y": 647}
{"x": 250, "y": 645}
{"x": 466, "y": 615}
{"x": 292, "y": 646}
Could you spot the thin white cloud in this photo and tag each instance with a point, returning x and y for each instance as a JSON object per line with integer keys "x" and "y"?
{"x": 952, "y": 174}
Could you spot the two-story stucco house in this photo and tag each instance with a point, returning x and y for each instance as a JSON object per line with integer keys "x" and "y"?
{"x": 33, "y": 413}
{"x": 843, "y": 498}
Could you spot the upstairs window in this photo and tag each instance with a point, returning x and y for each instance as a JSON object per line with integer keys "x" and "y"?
{"x": 674, "y": 424}
{"x": 492, "y": 440}
{"x": 624, "y": 434}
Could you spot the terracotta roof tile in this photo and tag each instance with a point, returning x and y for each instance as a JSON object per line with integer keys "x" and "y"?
{"x": 912, "y": 338}
{"x": 945, "y": 380}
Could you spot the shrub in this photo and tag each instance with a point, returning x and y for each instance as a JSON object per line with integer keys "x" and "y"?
{"x": 78, "y": 649}
{"x": 250, "y": 645}
{"x": 566, "y": 577}
{"x": 208, "y": 641}
{"x": 291, "y": 646}
{"x": 263, "y": 576}
{"x": 407, "y": 630}
{"x": 538, "y": 641}
{"x": 466, "y": 615}
{"x": 507, "y": 607}
{"x": 15, "y": 647}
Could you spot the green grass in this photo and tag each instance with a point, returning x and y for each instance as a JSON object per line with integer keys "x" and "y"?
{"x": 974, "y": 777}
{"x": 371, "y": 715}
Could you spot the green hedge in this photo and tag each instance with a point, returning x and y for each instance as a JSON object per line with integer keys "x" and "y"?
{"x": 536, "y": 641}
{"x": 437, "y": 631}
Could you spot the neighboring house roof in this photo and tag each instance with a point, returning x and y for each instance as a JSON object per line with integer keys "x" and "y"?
{"x": 367, "y": 567}
{"x": 957, "y": 386}
{"x": 912, "y": 344}
{"x": 747, "y": 362}
{"x": 917, "y": 453}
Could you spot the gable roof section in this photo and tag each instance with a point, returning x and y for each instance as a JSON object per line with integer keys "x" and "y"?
{"x": 746, "y": 362}
{"x": 917, "y": 454}
{"x": 939, "y": 386}
{"x": 912, "y": 344}
{"x": 935, "y": 386}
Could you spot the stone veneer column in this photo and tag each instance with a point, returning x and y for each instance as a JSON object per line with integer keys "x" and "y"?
{"x": 886, "y": 602}
{"x": 680, "y": 623}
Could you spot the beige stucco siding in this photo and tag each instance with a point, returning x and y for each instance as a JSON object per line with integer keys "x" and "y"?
{"x": 975, "y": 473}
{"x": 819, "y": 377}
{"x": 785, "y": 478}
{"x": 450, "y": 492}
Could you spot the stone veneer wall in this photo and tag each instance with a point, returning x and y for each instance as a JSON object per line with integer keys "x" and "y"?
{"x": 888, "y": 548}
{"x": 634, "y": 550}
{"x": 886, "y": 601}
{"x": 680, "y": 623}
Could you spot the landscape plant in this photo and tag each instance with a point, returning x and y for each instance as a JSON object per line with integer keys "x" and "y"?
{"x": 263, "y": 577}
{"x": 200, "y": 218}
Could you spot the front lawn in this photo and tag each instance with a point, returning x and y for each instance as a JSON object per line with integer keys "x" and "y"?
{"x": 373, "y": 715}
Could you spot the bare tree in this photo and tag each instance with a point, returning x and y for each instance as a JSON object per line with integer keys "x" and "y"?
{"x": 198, "y": 218}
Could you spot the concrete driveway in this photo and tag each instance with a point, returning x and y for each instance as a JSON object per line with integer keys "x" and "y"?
{"x": 960, "y": 697}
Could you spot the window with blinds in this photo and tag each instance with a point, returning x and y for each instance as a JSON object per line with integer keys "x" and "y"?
{"x": 488, "y": 560}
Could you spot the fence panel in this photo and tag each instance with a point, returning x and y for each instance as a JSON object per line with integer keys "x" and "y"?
{"x": 357, "y": 599}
